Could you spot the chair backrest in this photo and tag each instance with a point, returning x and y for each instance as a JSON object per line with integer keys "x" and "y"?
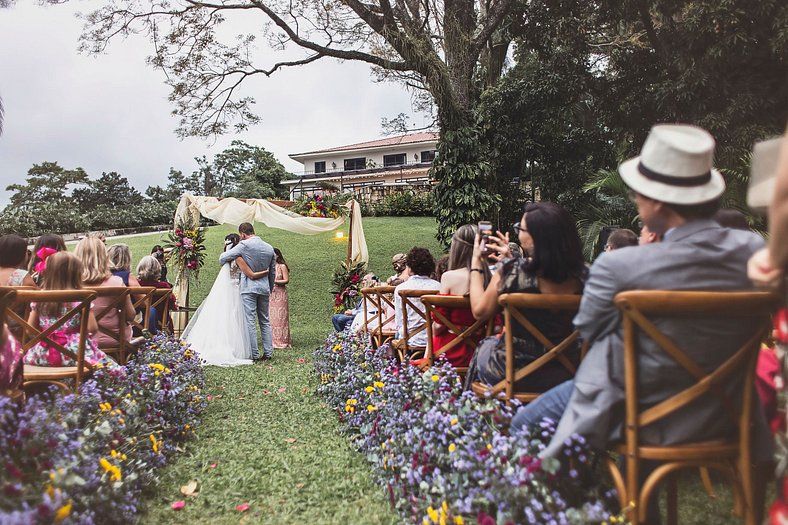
{"x": 410, "y": 301}
{"x": 636, "y": 308}
{"x": 35, "y": 335}
{"x": 141, "y": 299}
{"x": 555, "y": 351}
{"x": 379, "y": 298}
{"x": 462, "y": 334}
{"x": 161, "y": 302}
{"x": 118, "y": 297}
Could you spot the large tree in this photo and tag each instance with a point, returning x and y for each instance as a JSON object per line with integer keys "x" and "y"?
{"x": 448, "y": 49}
{"x": 110, "y": 190}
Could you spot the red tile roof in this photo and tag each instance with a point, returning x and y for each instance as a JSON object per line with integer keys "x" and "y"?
{"x": 412, "y": 138}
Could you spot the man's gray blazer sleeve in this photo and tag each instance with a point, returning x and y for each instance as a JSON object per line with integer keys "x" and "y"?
{"x": 598, "y": 316}
{"x": 231, "y": 255}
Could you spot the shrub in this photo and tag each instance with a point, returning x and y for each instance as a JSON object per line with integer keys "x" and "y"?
{"x": 405, "y": 204}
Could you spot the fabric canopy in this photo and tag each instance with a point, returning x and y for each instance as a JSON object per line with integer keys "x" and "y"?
{"x": 234, "y": 211}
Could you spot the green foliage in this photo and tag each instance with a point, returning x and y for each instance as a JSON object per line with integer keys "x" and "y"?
{"x": 247, "y": 171}
{"x": 402, "y": 204}
{"x": 111, "y": 190}
{"x": 462, "y": 170}
{"x": 327, "y": 205}
{"x": 46, "y": 184}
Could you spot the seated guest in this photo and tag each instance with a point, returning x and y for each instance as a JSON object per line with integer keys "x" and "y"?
{"x": 92, "y": 253}
{"x": 401, "y": 269}
{"x": 120, "y": 263}
{"x": 149, "y": 274}
{"x": 158, "y": 252}
{"x": 419, "y": 264}
{"x": 677, "y": 192}
{"x": 621, "y": 238}
{"x": 456, "y": 281}
{"x": 647, "y": 236}
{"x": 44, "y": 246}
{"x": 441, "y": 265}
{"x": 13, "y": 251}
{"x": 64, "y": 272}
{"x": 553, "y": 264}
{"x": 350, "y": 317}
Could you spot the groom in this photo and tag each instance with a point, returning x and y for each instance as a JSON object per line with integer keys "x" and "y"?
{"x": 259, "y": 255}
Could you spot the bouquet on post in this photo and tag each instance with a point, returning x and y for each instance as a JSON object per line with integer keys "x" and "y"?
{"x": 186, "y": 246}
{"x": 347, "y": 285}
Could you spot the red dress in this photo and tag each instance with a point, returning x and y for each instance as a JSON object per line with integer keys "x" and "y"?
{"x": 460, "y": 355}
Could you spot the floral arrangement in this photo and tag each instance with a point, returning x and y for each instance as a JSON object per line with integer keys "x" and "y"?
{"x": 346, "y": 284}
{"x": 318, "y": 206}
{"x": 86, "y": 458}
{"x": 444, "y": 455}
{"x": 186, "y": 246}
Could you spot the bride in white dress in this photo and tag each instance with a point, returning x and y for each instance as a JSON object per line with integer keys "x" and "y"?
{"x": 217, "y": 332}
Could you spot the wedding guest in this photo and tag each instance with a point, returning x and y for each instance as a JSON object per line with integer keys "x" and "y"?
{"x": 120, "y": 263}
{"x": 553, "y": 264}
{"x": 44, "y": 246}
{"x": 13, "y": 251}
{"x": 149, "y": 274}
{"x": 621, "y": 238}
{"x": 441, "y": 265}
{"x": 731, "y": 218}
{"x": 419, "y": 264}
{"x": 158, "y": 252}
{"x": 64, "y": 272}
{"x": 398, "y": 262}
{"x": 92, "y": 253}
{"x": 647, "y": 236}
{"x": 456, "y": 281}
{"x": 279, "y": 311}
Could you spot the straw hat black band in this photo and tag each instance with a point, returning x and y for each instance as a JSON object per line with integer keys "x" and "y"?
{"x": 697, "y": 180}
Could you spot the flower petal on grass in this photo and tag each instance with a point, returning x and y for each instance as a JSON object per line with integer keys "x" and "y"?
{"x": 178, "y": 505}
{"x": 243, "y": 507}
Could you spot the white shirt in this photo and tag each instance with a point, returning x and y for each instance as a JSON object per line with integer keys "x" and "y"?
{"x": 416, "y": 282}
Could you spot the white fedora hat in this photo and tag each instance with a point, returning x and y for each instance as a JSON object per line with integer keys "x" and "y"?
{"x": 675, "y": 166}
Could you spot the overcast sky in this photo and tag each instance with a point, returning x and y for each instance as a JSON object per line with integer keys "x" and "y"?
{"x": 110, "y": 113}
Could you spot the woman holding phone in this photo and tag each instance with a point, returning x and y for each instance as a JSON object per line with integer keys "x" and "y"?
{"x": 552, "y": 263}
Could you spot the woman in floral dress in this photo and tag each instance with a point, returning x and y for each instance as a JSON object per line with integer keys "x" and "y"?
{"x": 279, "y": 311}
{"x": 64, "y": 272}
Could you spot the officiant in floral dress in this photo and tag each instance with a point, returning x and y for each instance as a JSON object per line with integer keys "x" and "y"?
{"x": 278, "y": 309}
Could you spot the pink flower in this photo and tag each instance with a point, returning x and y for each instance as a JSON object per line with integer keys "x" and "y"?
{"x": 178, "y": 505}
{"x": 243, "y": 507}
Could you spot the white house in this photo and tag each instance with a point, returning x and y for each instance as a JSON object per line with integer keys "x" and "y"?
{"x": 370, "y": 169}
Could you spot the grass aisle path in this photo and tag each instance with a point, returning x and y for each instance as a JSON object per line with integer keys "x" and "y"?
{"x": 266, "y": 438}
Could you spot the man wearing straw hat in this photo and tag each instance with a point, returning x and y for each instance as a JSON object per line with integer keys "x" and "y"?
{"x": 677, "y": 191}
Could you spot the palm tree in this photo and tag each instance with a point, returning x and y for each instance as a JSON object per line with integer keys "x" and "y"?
{"x": 608, "y": 205}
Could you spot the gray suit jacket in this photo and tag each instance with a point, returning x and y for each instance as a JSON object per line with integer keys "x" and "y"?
{"x": 699, "y": 255}
{"x": 259, "y": 255}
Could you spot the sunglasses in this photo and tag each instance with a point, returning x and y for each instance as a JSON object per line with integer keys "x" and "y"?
{"x": 517, "y": 228}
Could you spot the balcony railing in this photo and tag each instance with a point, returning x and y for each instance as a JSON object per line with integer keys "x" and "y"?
{"x": 330, "y": 171}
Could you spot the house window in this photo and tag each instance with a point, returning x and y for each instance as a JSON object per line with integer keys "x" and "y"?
{"x": 355, "y": 164}
{"x": 394, "y": 160}
{"x": 428, "y": 156}
{"x": 320, "y": 167}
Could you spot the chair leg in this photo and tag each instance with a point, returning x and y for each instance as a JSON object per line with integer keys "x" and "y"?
{"x": 706, "y": 478}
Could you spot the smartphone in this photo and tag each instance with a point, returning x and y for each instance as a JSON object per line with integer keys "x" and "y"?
{"x": 485, "y": 229}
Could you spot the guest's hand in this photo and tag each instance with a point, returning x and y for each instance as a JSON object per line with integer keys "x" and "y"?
{"x": 498, "y": 246}
{"x": 762, "y": 272}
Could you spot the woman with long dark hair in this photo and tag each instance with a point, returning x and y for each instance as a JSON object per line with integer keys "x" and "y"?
{"x": 553, "y": 263}
{"x": 279, "y": 310}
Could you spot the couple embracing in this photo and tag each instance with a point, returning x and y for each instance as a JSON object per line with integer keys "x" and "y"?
{"x": 224, "y": 329}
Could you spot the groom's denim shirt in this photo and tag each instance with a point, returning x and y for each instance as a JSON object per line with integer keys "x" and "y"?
{"x": 259, "y": 255}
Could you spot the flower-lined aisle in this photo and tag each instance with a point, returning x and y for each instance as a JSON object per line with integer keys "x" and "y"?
{"x": 444, "y": 455}
{"x": 86, "y": 458}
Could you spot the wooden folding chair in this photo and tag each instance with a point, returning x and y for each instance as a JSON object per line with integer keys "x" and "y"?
{"x": 160, "y": 300}
{"x": 7, "y": 296}
{"x": 404, "y": 347}
{"x": 728, "y": 455}
{"x": 121, "y": 345}
{"x": 141, "y": 299}
{"x": 512, "y": 305}
{"x": 34, "y": 335}
{"x": 462, "y": 334}
{"x": 380, "y": 298}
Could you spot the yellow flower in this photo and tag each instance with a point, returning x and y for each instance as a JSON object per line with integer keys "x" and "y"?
{"x": 378, "y": 384}
{"x": 458, "y": 520}
{"x": 489, "y": 446}
{"x": 371, "y": 408}
{"x": 156, "y": 444}
{"x": 452, "y": 447}
{"x": 50, "y": 491}
{"x": 455, "y": 421}
{"x": 370, "y": 389}
{"x": 157, "y": 366}
{"x": 436, "y": 377}
{"x": 63, "y": 512}
{"x": 445, "y": 507}
{"x": 433, "y": 514}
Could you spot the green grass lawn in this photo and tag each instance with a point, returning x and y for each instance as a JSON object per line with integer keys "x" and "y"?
{"x": 274, "y": 444}
{"x": 268, "y": 441}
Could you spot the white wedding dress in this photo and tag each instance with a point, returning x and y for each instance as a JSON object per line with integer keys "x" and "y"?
{"x": 217, "y": 332}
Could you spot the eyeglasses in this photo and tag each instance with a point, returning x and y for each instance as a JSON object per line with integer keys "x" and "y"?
{"x": 517, "y": 228}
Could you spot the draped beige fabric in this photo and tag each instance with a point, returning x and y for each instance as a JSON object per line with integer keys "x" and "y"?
{"x": 234, "y": 211}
